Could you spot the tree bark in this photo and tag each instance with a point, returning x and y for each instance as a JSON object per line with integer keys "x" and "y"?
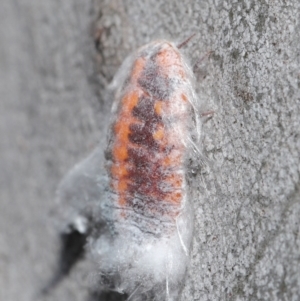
{"x": 57, "y": 58}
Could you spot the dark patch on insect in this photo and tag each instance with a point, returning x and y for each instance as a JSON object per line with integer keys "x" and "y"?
{"x": 146, "y": 175}
{"x": 144, "y": 110}
{"x": 157, "y": 85}
{"x": 142, "y": 134}
{"x": 146, "y": 170}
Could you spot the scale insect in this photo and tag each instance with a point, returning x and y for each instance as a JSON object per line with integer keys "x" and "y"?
{"x": 133, "y": 203}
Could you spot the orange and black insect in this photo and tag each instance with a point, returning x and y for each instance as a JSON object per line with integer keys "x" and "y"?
{"x": 150, "y": 134}
{"x": 136, "y": 212}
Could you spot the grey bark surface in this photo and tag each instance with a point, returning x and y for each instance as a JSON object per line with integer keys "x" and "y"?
{"x": 54, "y": 108}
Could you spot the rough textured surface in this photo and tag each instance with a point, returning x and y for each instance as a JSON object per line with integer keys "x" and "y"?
{"x": 53, "y": 111}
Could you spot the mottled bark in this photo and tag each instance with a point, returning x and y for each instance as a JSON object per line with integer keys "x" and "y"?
{"x": 56, "y": 59}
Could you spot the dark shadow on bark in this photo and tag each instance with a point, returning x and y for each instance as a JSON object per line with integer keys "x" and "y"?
{"x": 107, "y": 296}
{"x": 72, "y": 250}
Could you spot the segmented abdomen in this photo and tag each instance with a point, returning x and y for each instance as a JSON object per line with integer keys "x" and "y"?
{"x": 150, "y": 132}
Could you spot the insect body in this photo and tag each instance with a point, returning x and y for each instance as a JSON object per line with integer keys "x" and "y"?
{"x": 139, "y": 226}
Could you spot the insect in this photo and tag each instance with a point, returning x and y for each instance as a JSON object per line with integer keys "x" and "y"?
{"x": 132, "y": 204}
